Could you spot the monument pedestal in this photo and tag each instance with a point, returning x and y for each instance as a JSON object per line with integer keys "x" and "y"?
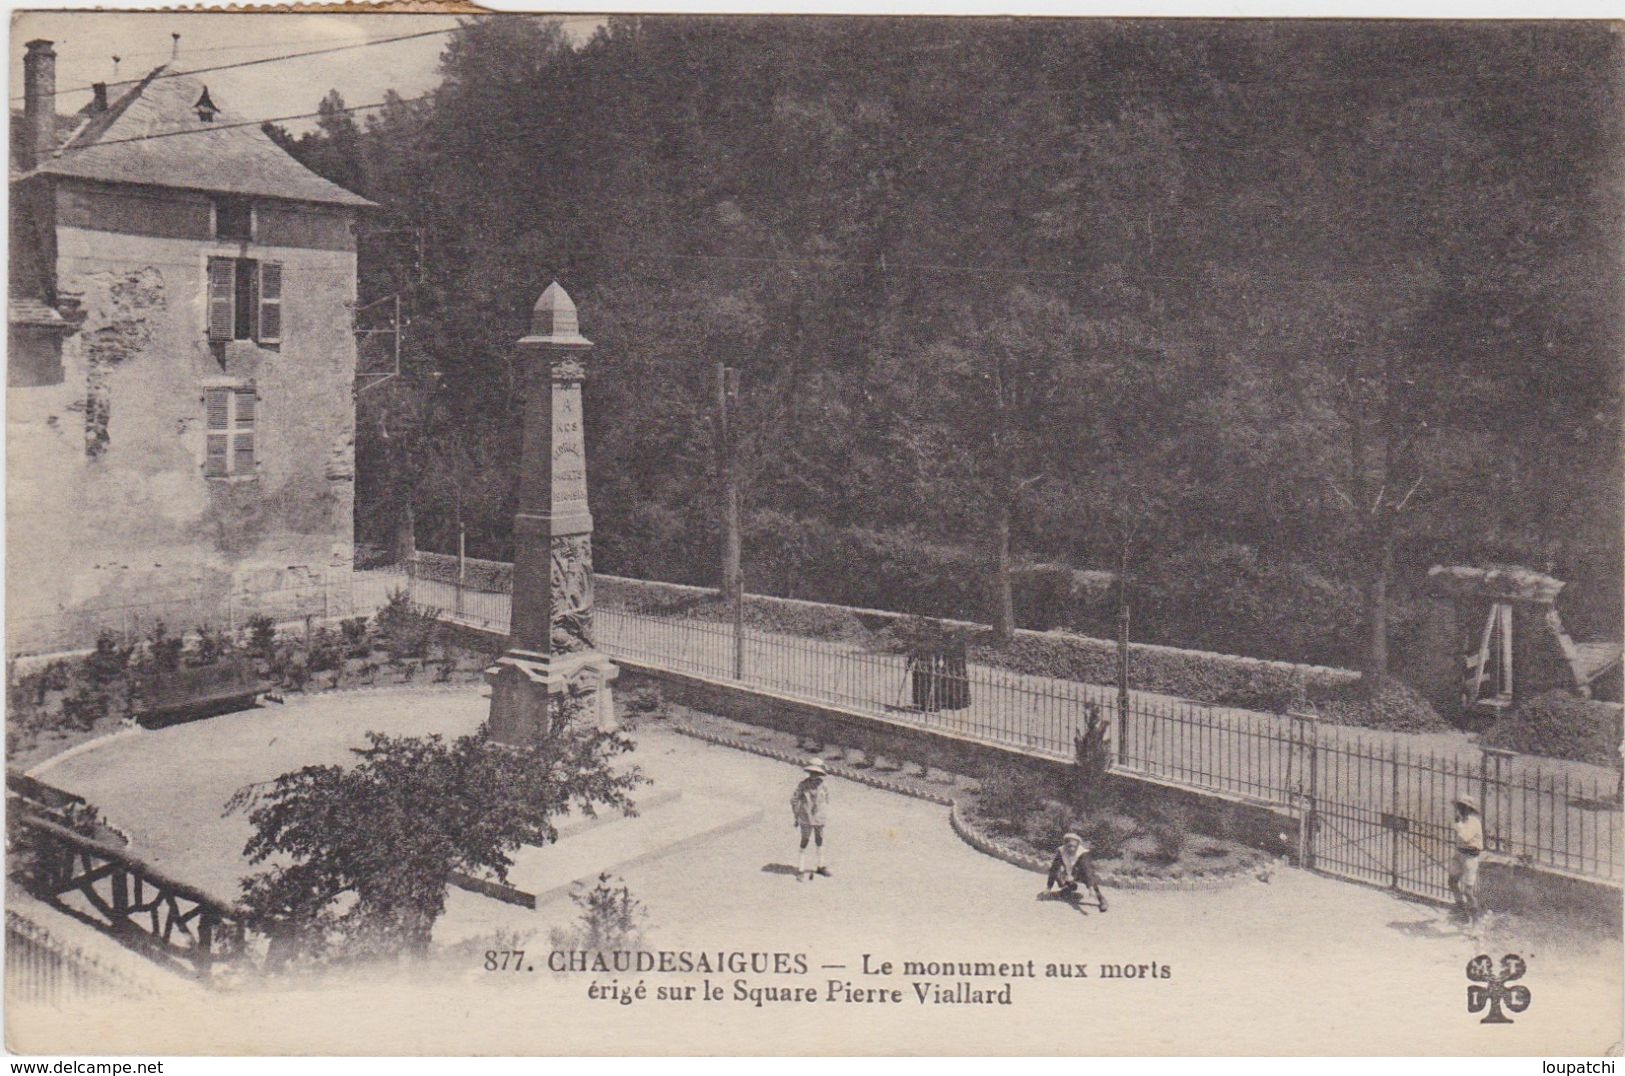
{"x": 527, "y": 691}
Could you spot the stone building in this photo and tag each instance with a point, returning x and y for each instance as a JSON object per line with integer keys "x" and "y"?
{"x": 180, "y": 419}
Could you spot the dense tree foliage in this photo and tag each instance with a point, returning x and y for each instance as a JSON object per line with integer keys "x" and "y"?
{"x": 362, "y": 855}
{"x": 1302, "y": 307}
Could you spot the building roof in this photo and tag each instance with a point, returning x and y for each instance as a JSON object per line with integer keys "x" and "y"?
{"x": 153, "y": 135}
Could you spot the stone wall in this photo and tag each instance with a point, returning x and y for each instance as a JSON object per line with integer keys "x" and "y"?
{"x": 108, "y": 502}
{"x": 1250, "y": 822}
{"x": 1510, "y": 887}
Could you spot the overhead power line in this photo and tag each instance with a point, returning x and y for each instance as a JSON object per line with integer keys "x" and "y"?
{"x": 286, "y": 56}
{"x": 261, "y": 60}
{"x": 251, "y": 123}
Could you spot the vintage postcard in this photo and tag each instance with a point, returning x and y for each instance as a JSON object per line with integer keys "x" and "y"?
{"x": 675, "y": 534}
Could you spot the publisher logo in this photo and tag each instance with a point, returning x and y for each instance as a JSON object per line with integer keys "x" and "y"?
{"x": 1494, "y": 991}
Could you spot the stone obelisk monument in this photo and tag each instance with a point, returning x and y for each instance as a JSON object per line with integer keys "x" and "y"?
{"x": 550, "y": 645}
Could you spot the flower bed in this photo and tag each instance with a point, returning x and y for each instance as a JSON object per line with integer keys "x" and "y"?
{"x": 1020, "y": 818}
{"x": 76, "y": 699}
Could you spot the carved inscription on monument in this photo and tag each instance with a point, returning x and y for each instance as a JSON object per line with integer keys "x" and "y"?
{"x": 569, "y": 449}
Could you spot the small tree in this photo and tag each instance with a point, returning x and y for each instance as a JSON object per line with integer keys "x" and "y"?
{"x": 1091, "y": 758}
{"x": 373, "y": 847}
{"x": 611, "y": 918}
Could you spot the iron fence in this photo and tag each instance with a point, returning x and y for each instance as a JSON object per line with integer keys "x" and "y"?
{"x": 332, "y": 594}
{"x": 41, "y": 969}
{"x": 1376, "y": 807}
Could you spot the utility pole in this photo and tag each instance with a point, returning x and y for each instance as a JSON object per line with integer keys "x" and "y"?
{"x": 733, "y": 589}
{"x": 1122, "y": 681}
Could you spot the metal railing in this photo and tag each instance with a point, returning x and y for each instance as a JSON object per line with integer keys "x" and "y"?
{"x": 1546, "y": 812}
{"x": 1388, "y": 798}
{"x": 338, "y": 592}
{"x": 42, "y": 969}
{"x": 1378, "y": 808}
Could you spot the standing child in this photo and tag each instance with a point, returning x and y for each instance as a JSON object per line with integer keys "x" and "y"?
{"x": 810, "y": 804}
{"x": 1070, "y": 868}
{"x": 1469, "y": 827}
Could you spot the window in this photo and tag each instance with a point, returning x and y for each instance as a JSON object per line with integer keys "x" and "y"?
{"x": 245, "y": 300}
{"x": 229, "y": 413}
{"x": 233, "y": 219}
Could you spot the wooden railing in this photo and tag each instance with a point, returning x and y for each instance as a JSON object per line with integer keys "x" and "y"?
{"x": 174, "y": 922}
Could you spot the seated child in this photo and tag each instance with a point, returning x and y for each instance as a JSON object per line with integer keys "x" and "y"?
{"x": 1070, "y": 868}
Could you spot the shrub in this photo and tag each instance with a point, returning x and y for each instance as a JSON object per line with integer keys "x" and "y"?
{"x": 30, "y": 690}
{"x": 611, "y": 919}
{"x": 641, "y": 700}
{"x": 84, "y": 706}
{"x": 1270, "y": 688}
{"x": 262, "y": 636}
{"x": 1169, "y": 827}
{"x": 1169, "y": 840}
{"x": 163, "y": 652}
{"x": 1045, "y": 827}
{"x": 1559, "y": 725}
{"x": 108, "y": 661}
{"x": 1105, "y": 837}
{"x": 1091, "y": 759}
{"x": 1006, "y": 792}
{"x": 211, "y": 645}
{"x": 405, "y": 629}
{"x": 355, "y": 633}
{"x": 325, "y": 651}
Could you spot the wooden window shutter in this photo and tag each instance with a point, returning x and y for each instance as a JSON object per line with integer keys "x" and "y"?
{"x": 217, "y": 436}
{"x": 270, "y": 331}
{"x": 242, "y": 437}
{"x": 222, "y": 296}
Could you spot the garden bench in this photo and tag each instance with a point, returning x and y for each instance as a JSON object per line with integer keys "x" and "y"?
{"x": 187, "y": 694}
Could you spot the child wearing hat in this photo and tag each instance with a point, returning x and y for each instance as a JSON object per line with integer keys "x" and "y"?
{"x": 1070, "y": 868}
{"x": 810, "y": 805}
{"x": 1469, "y": 827}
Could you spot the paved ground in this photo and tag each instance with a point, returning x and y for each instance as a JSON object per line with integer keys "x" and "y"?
{"x": 1301, "y": 965}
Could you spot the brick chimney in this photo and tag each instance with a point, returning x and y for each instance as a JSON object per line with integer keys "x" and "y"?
{"x": 39, "y": 103}
{"x": 98, "y": 92}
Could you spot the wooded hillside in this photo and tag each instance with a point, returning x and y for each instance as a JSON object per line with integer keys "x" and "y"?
{"x": 1270, "y": 313}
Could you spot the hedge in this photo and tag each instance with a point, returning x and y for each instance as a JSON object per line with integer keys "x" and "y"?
{"x": 1560, "y": 725}
{"x": 1203, "y": 676}
{"x": 1224, "y": 679}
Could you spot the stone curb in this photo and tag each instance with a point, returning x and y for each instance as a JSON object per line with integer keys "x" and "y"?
{"x": 835, "y": 768}
{"x": 45, "y": 764}
{"x": 989, "y": 845}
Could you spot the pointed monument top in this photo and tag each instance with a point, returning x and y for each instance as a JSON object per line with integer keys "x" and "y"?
{"x": 553, "y": 322}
